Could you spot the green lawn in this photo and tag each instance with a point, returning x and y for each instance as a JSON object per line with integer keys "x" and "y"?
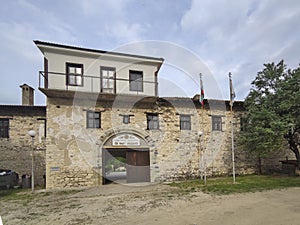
{"x": 13, "y": 194}
{"x": 224, "y": 185}
{"x": 243, "y": 184}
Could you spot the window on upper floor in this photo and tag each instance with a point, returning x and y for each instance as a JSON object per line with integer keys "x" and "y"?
{"x": 4, "y": 128}
{"x": 74, "y": 74}
{"x": 108, "y": 78}
{"x": 216, "y": 123}
{"x": 152, "y": 121}
{"x": 93, "y": 119}
{"x": 136, "y": 80}
{"x": 185, "y": 122}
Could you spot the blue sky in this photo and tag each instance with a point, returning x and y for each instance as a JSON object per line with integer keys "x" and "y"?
{"x": 221, "y": 35}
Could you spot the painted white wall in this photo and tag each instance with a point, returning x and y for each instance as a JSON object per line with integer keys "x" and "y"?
{"x": 91, "y": 66}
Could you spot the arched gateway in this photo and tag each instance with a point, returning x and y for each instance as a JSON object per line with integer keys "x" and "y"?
{"x": 125, "y": 156}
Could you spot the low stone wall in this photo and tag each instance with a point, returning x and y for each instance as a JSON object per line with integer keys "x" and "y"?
{"x": 18, "y": 158}
{"x": 74, "y": 177}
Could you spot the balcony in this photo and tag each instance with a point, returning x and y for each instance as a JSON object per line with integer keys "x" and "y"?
{"x": 50, "y": 82}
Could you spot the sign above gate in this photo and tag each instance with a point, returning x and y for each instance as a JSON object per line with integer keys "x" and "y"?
{"x": 126, "y": 139}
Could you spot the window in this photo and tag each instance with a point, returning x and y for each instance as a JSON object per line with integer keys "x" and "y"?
{"x": 74, "y": 74}
{"x": 126, "y": 119}
{"x": 108, "y": 79}
{"x": 185, "y": 122}
{"x": 4, "y": 127}
{"x": 152, "y": 121}
{"x": 136, "y": 80}
{"x": 243, "y": 123}
{"x": 43, "y": 127}
{"x": 217, "y": 123}
{"x": 93, "y": 119}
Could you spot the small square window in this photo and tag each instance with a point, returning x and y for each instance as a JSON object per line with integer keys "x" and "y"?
{"x": 136, "y": 80}
{"x": 93, "y": 119}
{"x": 217, "y": 123}
{"x": 126, "y": 119}
{"x": 4, "y": 128}
{"x": 185, "y": 122}
{"x": 152, "y": 121}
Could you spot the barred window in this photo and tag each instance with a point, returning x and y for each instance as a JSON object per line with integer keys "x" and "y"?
{"x": 93, "y": 119}
{"x": 126, "y": 119}
{"x": 185, "y": 122}
{"x": 4, "y": 128}
{"x": 152, "y": 121}
{"x": 216, "y": 123}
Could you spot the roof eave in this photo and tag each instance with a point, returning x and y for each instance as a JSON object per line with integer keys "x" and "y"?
{"x": 42, "y": 44}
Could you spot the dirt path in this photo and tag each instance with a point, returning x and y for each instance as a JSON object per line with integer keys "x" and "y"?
{"x": 158, "y": 204}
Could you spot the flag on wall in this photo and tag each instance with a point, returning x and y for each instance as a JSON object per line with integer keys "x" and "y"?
{"x": 232, "y": 93}
{"x": 201, "y": 99}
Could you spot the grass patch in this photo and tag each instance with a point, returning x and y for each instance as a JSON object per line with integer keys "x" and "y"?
{"x": 65, "y": 192}
{"x": 26, "y": 195}
{"x": 15, "y": 194}
{"x": 243, "y": 184}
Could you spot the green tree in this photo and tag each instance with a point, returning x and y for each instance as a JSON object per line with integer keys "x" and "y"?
{"x": 289, "y": 109}
{"x": 114, "y": 163}
{"x": 273, "y": 108}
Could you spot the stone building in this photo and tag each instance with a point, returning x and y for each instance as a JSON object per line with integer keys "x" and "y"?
{"x": 105, "y": 105}
{"x": 15, "y": 143}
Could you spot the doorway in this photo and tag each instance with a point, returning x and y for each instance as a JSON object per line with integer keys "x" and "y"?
{"x": 125, "y": 165}
{"x": 138, "y": 166}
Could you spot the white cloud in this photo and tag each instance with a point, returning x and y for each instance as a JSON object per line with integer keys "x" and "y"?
{"x": 236, "y": 36}
{"x": 101, "y": 7}
{"x": 15, "y": 41}
{"x": 20, "y": 59}
{"x": 119, "y": 30}
{"x": 179, "y": 75}
{"x": 240, "y": 36}
{"x": 110, "y": 21}
{"x": 36, "y": 23}
{"x": 215, "y": 18}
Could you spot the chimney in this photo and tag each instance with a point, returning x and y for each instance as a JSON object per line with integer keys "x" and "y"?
{"x": 27, "y": 95}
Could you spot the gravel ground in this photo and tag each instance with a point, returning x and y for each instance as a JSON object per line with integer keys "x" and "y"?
{"x": 152, "y": 204}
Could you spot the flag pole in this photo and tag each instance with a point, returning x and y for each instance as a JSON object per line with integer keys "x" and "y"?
{"x": 199, "y": 140}
{"x": 203, "y": 156}
{"x": 232, "y": 95}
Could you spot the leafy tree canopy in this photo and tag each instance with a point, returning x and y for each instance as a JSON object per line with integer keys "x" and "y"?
{"x": 273, "y": 111}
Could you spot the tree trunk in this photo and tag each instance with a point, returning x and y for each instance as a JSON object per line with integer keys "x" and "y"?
{"x": 294, "y": 148}
{"x": 298, "y": 158}
{"x": 259, "y": 166}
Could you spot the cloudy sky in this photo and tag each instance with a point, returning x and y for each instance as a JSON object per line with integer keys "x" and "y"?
{"x": 220, "y": 35}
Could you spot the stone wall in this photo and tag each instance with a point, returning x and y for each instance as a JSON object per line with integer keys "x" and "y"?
{"x": 16, "y": 150}
{"x": 74, "y": 152}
